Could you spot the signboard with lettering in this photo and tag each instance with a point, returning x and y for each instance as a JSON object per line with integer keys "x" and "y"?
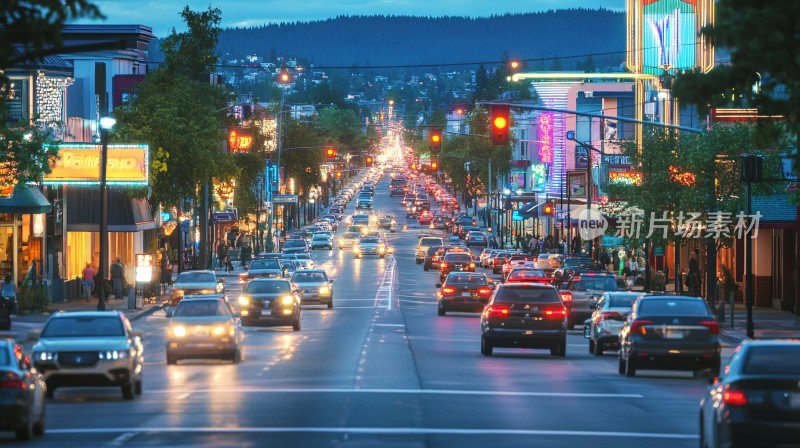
{"x": 625, "y": 177}
{"x": 239, "y": 139}
{"x": 546, "y": 137}
{"x": 284, "y": 198}
{"x": 617, "y": 160}
{"x": 79, "y": 164}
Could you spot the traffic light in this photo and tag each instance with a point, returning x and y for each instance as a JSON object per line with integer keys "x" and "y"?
{"x": 549, "y": 209}
{"x": 434, "y": 166}
{"x": 435, "y": 139}
{"x": 414, "y": 166}
{"x": 330, "y": 153}
{"x": 499, "y": 124}
{"x": 338, "y": 175}
{"x": 369, "y": 161}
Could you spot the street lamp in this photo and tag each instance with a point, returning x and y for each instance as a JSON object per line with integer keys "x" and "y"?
{"x": 106, "y": 124}
{"x": 589, "y": 149}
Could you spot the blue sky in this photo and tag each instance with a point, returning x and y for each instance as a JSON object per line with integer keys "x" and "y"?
{"x": 163, "y": 15}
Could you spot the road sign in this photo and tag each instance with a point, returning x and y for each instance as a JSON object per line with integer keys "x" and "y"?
{"x": 284, "y": 198}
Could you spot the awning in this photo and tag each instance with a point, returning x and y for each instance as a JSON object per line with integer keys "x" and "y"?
{"x": 125, "y": 214}
{"x": 25, "y": 200}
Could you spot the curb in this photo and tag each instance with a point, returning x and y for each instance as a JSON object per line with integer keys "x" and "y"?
{"x": 146, "y": 312}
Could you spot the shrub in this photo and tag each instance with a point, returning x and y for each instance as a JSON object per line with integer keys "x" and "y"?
{"x": 32, "y": 299}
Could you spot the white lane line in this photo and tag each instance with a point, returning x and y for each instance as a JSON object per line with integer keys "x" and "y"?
{"x": 121, "y": 440}
{"x": 402, "y": 392}
{"x": 183, "y": 396}
{"x": 388, "y": 431}
{"x": 388, "y": 325}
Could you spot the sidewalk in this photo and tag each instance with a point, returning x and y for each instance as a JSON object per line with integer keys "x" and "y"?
{"x": 768, "y": 323}
{"x": 23, "y": 325}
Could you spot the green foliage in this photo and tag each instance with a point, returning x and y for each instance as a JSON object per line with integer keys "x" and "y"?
{"x": 32, "y": 299}
{"x": 341, "y": 127}
{"x": 250, "y": 170}
{"x": 25, "y": 156}
{"x": 193, "y": 53}
{"x": 302, "y": 164}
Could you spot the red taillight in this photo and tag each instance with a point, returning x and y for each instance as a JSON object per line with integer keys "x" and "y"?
{"x": 558, "y": 313}
{"x": 11, "y": 381}
{"x": 444, "y": 264}
{"x": 637, "y": 326}
{"x": 734, "y": 397}
{"x": 498, "y": 311}
{"x": 448, "y": 290}
{"x": 566, "y": 297}
{"x": 609, "y": 315}
{"x": 713, "y": 326}
{"x": 484, "y": 291}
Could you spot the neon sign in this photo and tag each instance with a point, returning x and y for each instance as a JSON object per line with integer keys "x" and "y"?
{"x": 625, "y": 177}
{"x": 79, "y": 164}
{"x": 546, "y": 137}
{"x": 239, "y": 140}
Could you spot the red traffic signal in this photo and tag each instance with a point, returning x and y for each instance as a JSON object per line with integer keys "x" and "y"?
{"x": 549, "y": 209}
{"x": 369, "y": 161}
{"x": 330, "y": 153}
{"x": 338, "y": 174}
{"x": 434, "y": 166}
{"x": 500, "y": 122}
{"x": 435, "y": 139}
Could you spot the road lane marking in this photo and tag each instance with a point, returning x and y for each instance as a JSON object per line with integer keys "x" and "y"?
{"x": 386, "y": 431}
{"x": 403, "y": 392}
{"x": 121, "y": 440}
{"x": 389, "y": 325}
{"x": 183, "y": 396}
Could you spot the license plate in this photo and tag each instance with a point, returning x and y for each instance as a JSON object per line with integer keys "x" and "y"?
{"x": 794, "y": 401}
{"x": 204, "y": 345}
{"x": 673, "y": 334}
{"x": 466, "y": 294}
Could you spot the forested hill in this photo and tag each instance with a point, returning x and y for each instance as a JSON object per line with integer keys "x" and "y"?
{"x": 404, "y": 40}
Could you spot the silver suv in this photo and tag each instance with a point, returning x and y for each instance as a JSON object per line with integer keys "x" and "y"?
{"x": 424, "y": 243}
{"x": 90, "y": 348}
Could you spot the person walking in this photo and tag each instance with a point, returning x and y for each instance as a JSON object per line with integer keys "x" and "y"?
{"x": 9, "y": 291}
{"x": 222, "y": 253}
{"x": 693, "y": 277}
{"x": 117, "y": 277}
{"x": 622, "y": 259}
{"x": 166, "y": 268}
{"x": 228, "y": 263}
{"x": 605, "y": 260}
{"x": 87, "y": 280}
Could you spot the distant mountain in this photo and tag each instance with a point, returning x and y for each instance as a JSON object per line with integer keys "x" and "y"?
{"x": 406, "y": 40}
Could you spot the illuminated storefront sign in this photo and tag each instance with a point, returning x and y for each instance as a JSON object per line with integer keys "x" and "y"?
{"x": 684, "y": 178}
{"x": 538, "y": 176}
{"x": 144, "y": 268}
{"x": 7, "y": 183}
{"x": 79, "y": 164}
{"x": 546, "y": 137}
{"x": 239, "y": 140}
{"x": 625, "y": 177}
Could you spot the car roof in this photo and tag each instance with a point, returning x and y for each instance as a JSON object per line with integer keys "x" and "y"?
{"x": 268, "y": 280}
{"x": 311, "y": 270}
{"x": 195, "y": 297}
{"x": 521, "y": 285}
{"x": 85, "y": 313}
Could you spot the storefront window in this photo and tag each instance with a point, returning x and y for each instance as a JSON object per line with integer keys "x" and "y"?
{"x": 84, "y": 247}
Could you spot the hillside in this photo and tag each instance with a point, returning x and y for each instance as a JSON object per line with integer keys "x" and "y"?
{"x": 406, "y": 40}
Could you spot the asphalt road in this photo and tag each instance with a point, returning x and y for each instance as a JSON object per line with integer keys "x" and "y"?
{"x": 381, "y": 369}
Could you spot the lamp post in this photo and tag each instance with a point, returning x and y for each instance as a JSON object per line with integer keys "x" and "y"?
{"x": 589, "y": 149}
{"x": 106, "y": 124}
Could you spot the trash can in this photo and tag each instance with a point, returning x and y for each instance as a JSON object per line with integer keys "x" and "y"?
{"x": 131, "y": 298}
{"x": 139, "y": 302}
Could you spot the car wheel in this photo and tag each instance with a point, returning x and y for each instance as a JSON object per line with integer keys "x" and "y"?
{"x": 630, "y": 368}
{"x": 598, "y": 349}
{"x": 128, "y": 390}
{"x": 296, "y": 325}
{"x": 25, "y": 432}
{"x": 591, "y": 346}
{"x": 138, "y": 387}
{"x": 703, "y": 443}
{"x": 486, "y": 347}
{"x": 621, "y": 367}
{"x": 441, "y": 311}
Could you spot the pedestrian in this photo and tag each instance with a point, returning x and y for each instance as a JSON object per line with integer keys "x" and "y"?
{"x": 228, "y": 263}
{"x": 117, "y": 277}
{"x": 166, "y": 268}
{"x": 222, "y": 253}
{"x": 605, "y": 260}
{"x": 622, "y": 257}
{"x": 87, "y": 280}
{"x": 633, "y": 268}
{"x": 694, "y": 280}
{"x": 9, "y": 291}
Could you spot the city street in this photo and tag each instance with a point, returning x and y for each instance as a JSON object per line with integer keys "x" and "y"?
{"x": 381, "y": 369}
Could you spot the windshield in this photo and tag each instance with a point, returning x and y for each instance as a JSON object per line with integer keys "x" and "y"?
{"x": 526, "y": 273}
{"x": 461, "y": 279}
{"x": 320, "y": 237}
{"x": 526, "y": 295}
{"x": 430, "y": 242}
{"x": 202, "y": 308}
{"x": 83, "y": 326}
{"x": 294, "y": 243}
{"x": 264, "y": 264}
{"x": 776, "y": 360}
{"x": 575, "y": 262}
{"x": 621, "y": 301}
{"x": 271, "y": 287}
{"x": 459, "y": 258}
{"x": 594, "y": 284}
{"x": 673, "y": 307}
{"x": 369, "y": 241}
{"x": 309, "y": 277}
{"x": 195, "y": 277}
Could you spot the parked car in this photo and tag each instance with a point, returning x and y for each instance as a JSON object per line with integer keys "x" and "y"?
{"x": 524, "y": 315}
{"x": 22, "y": 400}
{"x": 756, "y": 400}
{"x": 669, "y": 333}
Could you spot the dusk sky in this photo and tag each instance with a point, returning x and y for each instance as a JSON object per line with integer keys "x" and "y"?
{"x": 163, "y": 15}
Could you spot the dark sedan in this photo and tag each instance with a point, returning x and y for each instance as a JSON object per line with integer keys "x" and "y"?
{"x": 430, "y": 261}
{"x": 756, "y": 400}
{"x": 270, "y": 302}
{"x": 22, "y": 392}
{"x": 463, "y": 291}
{"x": 669, "y": 333}
{"x": 524, "y": 315}
{"x": 458, "y": 261}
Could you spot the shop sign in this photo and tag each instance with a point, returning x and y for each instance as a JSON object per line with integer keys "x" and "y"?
{"x": 144, "y": 268}
{"x": 224, "y": 217}
{"x": 576, "y": 183}
{"x": 7, "y": 182}
{"x": 625, "y": 177}
{"x": 284, "y": 198}
{"x": 617, "y": 160}
{"x": 546, "y": 137}
{"x": 79, "y": 164}
{"x": 658, "y": 251}
{"x": 239, "y": 139}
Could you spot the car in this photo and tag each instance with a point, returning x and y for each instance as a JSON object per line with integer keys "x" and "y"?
{"x": 456, "y": 261}
{"x": 269, "y": 302}
{"x": 369, "y": 245}
{"x": 203, "y": 327}
{"x": 423, "y": 244}
{"x": 499, "y": 260}
{"x": 425, "y": 218}
{"x": 288, "y": 267}
{"x": 669, "y": 333}
{"x": 463, "y": 230}
{"x": 263, "y": 268}
{"x": 610, "y": 311}
{"x": 22, "y": 401}
{"x": 428, "y": 263}
{"x": 387, "y": 222}
{"x": 360, "y": 220}
{"x": 524, "y": 315}
{"x": 463, "y": 291}
{"x": 348, "y": 240}
{"x": 313, "y": 286}
{"x": 195, "y": 282}
{"x": 583, "y": 290}
{"x": 756, "y": 399}
{"x": 527, "y": 274}
{"x": 515, "y": 261}
{"x": 294, "y": 246}
{"x": 476, "y": 239}
{"x": 90, "y": 349}
{"x": 484, "y": 256}
{"x": 321, "y": 241}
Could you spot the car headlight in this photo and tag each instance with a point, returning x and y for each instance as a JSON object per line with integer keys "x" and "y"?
{"x": 325, "y": 290}
{"x": 341, "y": 241}
{"x": 394, "y": 222}
{"x": 356, "y": 249}
{"x": 218, "y": 331}
{"x": 179, "y": 331}
{"x": 288, "y": 300}
{"x": 244, "y": 300}
{"x": 44, "y": 356}
{"x": 113, "y": 355}
{"x": 177, "y": 292}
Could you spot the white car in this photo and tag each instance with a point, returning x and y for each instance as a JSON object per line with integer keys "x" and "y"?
{"x": 609, "y": 314}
